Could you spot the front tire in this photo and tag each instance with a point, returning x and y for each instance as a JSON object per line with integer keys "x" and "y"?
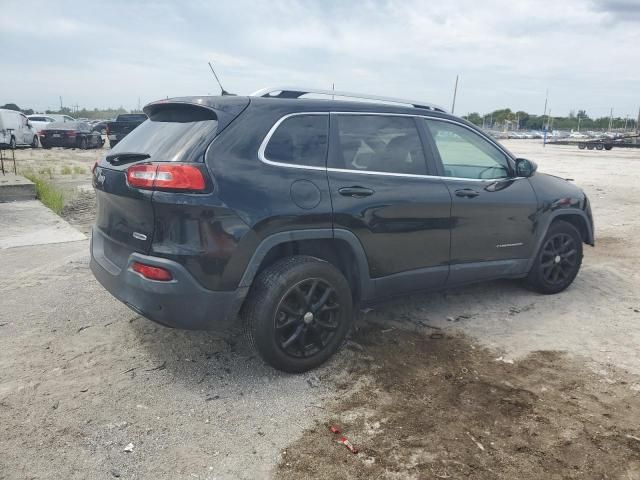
{"x": 558, "y": 262}
{"x": 34, "y": 142}
{"x": 298, "y": 313}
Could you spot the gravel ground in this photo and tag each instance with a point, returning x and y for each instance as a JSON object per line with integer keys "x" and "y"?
{"x": 81, "y": 376}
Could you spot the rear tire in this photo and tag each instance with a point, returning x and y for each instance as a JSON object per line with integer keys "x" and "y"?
{"x": 589, "y": 147}
{"x": 34, "y": 142}
{"x": 83, "y": 144}
{"x": 608, "y": 147}
{"x": 558, "y": 262}
{"x": 298, "y": 313}
{"x": 599, "y": 146}
{"x": 582, "y": 146}
{"x": 12, "y": 143}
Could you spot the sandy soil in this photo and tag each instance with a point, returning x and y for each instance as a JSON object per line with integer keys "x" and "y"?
{"x": 418, "y": 389}
{"x": 443, "y": 407}
{"x": 566, "y": 408}
{"x": 69, "y": 170}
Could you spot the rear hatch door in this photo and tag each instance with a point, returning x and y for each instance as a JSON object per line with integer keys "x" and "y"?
{"x": 176, "y": 131}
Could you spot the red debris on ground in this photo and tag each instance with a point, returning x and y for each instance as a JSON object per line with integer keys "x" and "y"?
{"x": 343, "y": 440}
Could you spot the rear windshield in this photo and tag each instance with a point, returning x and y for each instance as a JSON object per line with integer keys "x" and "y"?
{"x": 174, "y": 133}
{"x": 62, "y": 126}
{"x": 132, "y": 117}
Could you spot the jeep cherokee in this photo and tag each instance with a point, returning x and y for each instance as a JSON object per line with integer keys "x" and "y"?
{"x": 289, "y": 212}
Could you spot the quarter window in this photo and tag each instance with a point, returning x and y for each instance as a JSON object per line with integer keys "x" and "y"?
{"x": 466, "y": 154}
{"x": 300, "y": 140}
{"x": 380, "y": 143}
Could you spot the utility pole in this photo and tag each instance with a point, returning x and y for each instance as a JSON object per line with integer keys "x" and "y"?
{"x": 455, "y": 92}
{"x": 610, "y": 118}
{"x": 549, "y": 119}
{"x": 60, "y": 102}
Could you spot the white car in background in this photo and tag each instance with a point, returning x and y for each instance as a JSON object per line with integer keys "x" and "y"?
{"x": 16, "y": 130}
{"x": 39, "y": 121}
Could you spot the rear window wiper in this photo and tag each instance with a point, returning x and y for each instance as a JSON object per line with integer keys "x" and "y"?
{"x": 126, "y": 157}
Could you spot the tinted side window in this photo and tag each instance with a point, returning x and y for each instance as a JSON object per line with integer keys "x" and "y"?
{"x": 380, "y": 143}
{"x": 466, "y": 154}
{"x": 300, "y": 140}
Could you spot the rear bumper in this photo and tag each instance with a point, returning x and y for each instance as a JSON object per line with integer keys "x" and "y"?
{"x": 179, "y": 303}
{"x": 59, "y": 142}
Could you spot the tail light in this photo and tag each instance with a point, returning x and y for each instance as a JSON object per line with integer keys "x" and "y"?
{"x": 152, "y": 273}
{"x": 166, "y": 176}
{"x": 69, "y": 134}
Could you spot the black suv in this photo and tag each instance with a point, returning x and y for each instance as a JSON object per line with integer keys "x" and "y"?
{"x": 289, "y": 212}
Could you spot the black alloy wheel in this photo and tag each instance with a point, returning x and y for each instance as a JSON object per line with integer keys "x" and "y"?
{"x": 559, "y": 259}
{"x": 298, "y": 313}
{"x": 307, "y": 318}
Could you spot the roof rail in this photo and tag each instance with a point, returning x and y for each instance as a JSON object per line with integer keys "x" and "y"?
{"x": 295, "y": 92}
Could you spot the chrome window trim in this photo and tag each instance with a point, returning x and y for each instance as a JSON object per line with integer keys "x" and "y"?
{"x": 265, "y": 141}
{"x": 272, "y": 130}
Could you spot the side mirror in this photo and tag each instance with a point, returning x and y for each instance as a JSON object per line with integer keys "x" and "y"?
{"x": 525, "y": 168}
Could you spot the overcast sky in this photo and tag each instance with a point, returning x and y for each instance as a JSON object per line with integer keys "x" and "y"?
{"x": 101, "y": 54}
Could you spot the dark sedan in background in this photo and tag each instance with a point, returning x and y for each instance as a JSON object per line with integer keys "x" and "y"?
{"x": 70, "y": 135}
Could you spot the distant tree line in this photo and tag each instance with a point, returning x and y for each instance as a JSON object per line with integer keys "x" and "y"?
{"x": 506, "y": 119}
{"x": 96, "y": 113}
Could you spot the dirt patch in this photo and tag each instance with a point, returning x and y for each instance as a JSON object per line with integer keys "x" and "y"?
{"x": 446, "y": 408}
{"x": 80, "y": 210}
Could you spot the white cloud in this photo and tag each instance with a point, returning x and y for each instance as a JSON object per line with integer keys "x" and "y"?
{"x": 507, "y": 52}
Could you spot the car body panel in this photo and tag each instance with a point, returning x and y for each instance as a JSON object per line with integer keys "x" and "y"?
{"x": 69, "y": 135}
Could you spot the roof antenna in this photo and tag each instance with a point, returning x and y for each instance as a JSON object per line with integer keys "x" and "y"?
{"x": 223, "y": 92}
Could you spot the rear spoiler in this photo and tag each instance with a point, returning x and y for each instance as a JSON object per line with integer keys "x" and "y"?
{"x": 226, "y": 108}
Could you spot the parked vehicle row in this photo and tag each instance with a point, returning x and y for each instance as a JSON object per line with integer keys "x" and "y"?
{"x": 54, "y": 130}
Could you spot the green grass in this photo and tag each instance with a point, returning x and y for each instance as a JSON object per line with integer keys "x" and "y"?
{"x": 79, "y": 170}
{"x": 46, "y": 171}
{"x": 66, "y": 170}
{"x": 48, "y": 194}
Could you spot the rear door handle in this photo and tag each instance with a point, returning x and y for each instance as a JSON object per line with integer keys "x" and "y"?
{"x": 466, "y": 192}
{"x": 355, "y": 192}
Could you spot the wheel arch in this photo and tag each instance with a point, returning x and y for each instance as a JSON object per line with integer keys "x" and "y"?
{"x": 575, "y": 217}
{"x": 578, "y": 220}
{"x": 341, "y": 248}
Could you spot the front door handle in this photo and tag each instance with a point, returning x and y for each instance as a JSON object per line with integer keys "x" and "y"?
{"x": 466, "y": 192}
{"x": 355, "y": 192}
